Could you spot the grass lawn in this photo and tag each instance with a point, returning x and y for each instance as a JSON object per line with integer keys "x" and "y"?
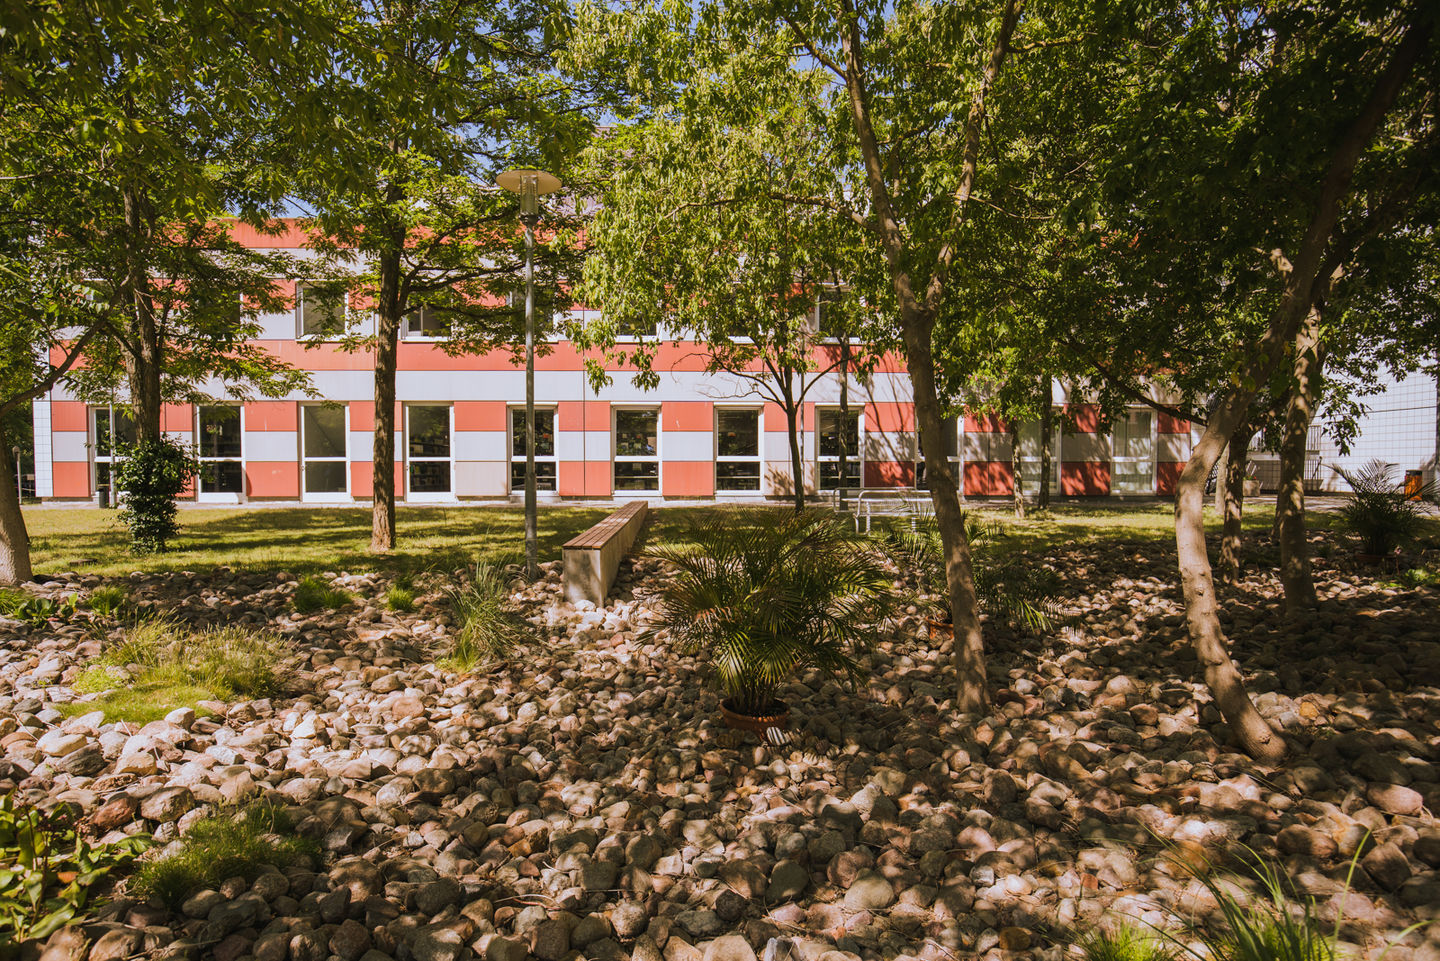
{"x": 307, "y": 540}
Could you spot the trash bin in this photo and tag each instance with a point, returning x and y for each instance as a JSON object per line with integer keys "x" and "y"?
{"x": 103, "y": 492}
{"x": 1414, "y": 484}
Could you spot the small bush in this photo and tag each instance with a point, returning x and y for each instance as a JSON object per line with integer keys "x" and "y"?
{"x": 485, "y": 628}
{"x": 400, "y": 599}
{"x": 1127, "y": 942}
{"x": 157, "y": 666}
{"x": 37, "y": 611}
{"x": 150, "y": 475}
{"x": 48, "y": 871}
{"x": 227, "y": 845}
{"x": 313, "y": 594}
{"x": 107, "y": 601}
{"x": 1379, "y": 511}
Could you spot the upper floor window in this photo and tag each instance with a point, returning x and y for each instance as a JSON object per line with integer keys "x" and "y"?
{"x": 426, "y": 321}
{"x": 319, "y": 310}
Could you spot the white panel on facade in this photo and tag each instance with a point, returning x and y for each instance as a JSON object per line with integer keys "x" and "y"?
{"x": 777, "y": 446}
{"x": 480, "y": 445}
{"x": 1172, "y": 448}
{"x": 597, "y": 445}
{"x": 688, "y": 445}
{"x": 1090, "y": 448}
{"x": 44, "y": 473}
{"x": 890, "y": 446}
{"x": 986, "y": 446}
{"x": 482, "y": 478}
{"x": 272, "y": 445}
{"x": 69, "y": 446}
{"x": 570, "y": 445}
{"x": 362, "y": 445}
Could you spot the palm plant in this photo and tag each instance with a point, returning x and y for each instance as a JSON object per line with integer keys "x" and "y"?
{"x": 1006, "y": 587}
{"x": 1379, "y": 509}
{"x": 766, "y": 594}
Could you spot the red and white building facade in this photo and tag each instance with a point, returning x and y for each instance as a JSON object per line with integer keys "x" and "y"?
{"x": 459, "y": 432}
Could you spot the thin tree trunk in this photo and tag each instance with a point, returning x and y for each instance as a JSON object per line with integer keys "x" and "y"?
{"x": 1017, "y": 475}
{"x": 792, "y": 418}
{"x": 844, "y": 414}
{"x": 1047, "y": 437}
{"x": 146, "y": 358}
{"x": 387, "y": 347}
{"x": 14, "y": 538}
{"x": 1256, "y": 737}
{"x": 1295, "y": 573}
{"x": 1232, "y": 485}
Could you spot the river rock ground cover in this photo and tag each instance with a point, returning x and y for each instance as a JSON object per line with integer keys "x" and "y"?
{"x": 581, "y": 800}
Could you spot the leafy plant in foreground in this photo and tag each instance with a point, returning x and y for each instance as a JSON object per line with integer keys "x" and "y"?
{"x": 108, "y": 601}
{"x": 38, "y": 611}
{"x": 485, "y": 626}
{"x": 1378, "y": 509}
{"x": 1126, "y": 942}
{"x": 762, "y": 595}
{"x": 48, "y": 870}
{"x": 150, "y": 475}
{"x": 314, "y": 594}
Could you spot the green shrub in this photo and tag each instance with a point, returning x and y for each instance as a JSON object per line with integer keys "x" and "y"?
{"x": 230, "y": 844}
{"x": 1269, "y": 928}
{"x": 37, "y": 611}
{"x": 156, "y": 666}
{"x": 1127, "y": 942}
{"x": 1378, "y": 510}
{"x": 150, "y": 475}
{"x": 485, "y": 627}
{"x": 107, "y": 601}
{"x": 313, "y": 594}
{"x": 762, "y": 595}
{"x": 48, "y": 871}
{"x": 400, "y": 598}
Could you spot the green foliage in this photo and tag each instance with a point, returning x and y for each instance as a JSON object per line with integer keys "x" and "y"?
{"x": 150, "y": 476}
{"x": 37, "y": 611}
{"x": 1008, "y": 586}
{"x": 1269, "y": 928}
{"x": 764, "y": 594}
{"x": 314, "y": 594}
{"x": 400, "y": 598}
{"x": 108, "y": 601}
{"x": 48, "y": 870}
{"x": 486, "y": 628}
{"x": 1126, "y": 942}
{"x": 230, "y": 844}
{"x": 1378, "y": 510}
{"x": 156, "y": 666}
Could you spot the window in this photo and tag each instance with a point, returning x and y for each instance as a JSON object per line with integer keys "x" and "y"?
{"x": 110, "y": 429}
{"x": 950, "y": 430}
{"x": 1132, "y": 467}
{"x": 737, "y": 450}
{"x": 427, "y": 445}
{"x": 637, "y": 330}
{"x": 323, "y": 435}
{"x": 218, "y": 437}
{"x": 319, "y": 311}
{"x": 544, "y": 449}
{"x": 426, "y": 321}
{"x": 829, "y": 312}
{"x": 637, "y": 450}
{"x": 829, "y": 440}
{"x": 1030, "y": 456}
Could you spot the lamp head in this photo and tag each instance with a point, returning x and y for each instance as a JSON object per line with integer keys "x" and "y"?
{"x": 531, "y": 185}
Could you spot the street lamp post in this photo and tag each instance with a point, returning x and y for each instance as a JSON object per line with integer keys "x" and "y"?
{"x": 19, "y": 477}
{"x": 531, "y": 185}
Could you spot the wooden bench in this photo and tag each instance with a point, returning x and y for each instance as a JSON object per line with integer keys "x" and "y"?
{"x": 592, "y": 558}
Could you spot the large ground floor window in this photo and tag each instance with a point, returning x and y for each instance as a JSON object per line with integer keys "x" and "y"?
{"x": 737, "y": 449}
{"x": 1132, "y": 463}
{"x": 429, "y": 466}
{"x": 1030, "y": 450}
{"x": 325, "y": 465}
{"x": 111, "y": 428}
{"x": 831, "y": 431}
{"x": 545, "y": 462}
{"x": 219, "y": 437}
{"x": 636, "y": 433}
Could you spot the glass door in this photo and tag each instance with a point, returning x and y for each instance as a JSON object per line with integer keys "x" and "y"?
{"x": 1132, "y": 465}
{"x": 325, "y": 467}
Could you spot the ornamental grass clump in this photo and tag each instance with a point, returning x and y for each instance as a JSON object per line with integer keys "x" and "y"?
{"x": 763, "y": 595}
{"x": 1380, "y": 511}
{"x": 486, "y": 628}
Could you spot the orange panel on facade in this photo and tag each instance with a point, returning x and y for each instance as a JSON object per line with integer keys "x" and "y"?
{"x": 362, "y": 479}
{"x": 985, "y": 424}
{"x": 775, "y": 420}
{"x": 177, "y": 417}
{"x": 1168, "y": 424}
{"x": 687, "y": 415}
{"x": 1085, "y": 478}
{"x": 480, "y": 415}
{"x": 688, "y": 479}
{"x": 362, "y": 415}
{"x": 990, "y": 478}
{"x": 71, "y": 478}
{"x": 287, "y": 232}
{"x": 597, "y": 479}
{"x": 68, "y": 415}
{"x": 889, "y": 474}
{"x": 271, "y": 415}
{"x": 1086, "y": 418}
{"x": 1167, "y": 476}
{"x": 273, "y": 478}
{"x": 582, "y": 415}
{"x": 889, "y": 416}
{"x": 570, "y": 478}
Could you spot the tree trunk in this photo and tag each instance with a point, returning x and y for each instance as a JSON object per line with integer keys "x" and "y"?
{"x": 1290, "y": 503}
{"x": 1017, "y": 475}
{"x": 1233, "y": 487}
{"x": 1047, "y": 437}
{"x": 387, "y": 348}
{"x": 147, "y": 352}
{"x": 844, "y": 414}
{"x": 14, "y": 538}
{"x": 792, "y": 426}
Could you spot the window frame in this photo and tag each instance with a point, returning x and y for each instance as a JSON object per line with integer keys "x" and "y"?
{"x": 858, "y": 412}
{"x": 758, "y": 458}
{"x": 218, "y": 497}
{"x": 406, "y": 333}
{"x": 324, "y": 497}
{"x": 617, "y": 458}
{"x": 1152, "y": 440}
{"x": 323, "y": 336}
{"x": 519, "y": 459}
{"x": 430, "y": 497}
{"x": 110, "y": 459}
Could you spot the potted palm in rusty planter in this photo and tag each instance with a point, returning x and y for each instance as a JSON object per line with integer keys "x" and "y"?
{"x": 765, "y": 594}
